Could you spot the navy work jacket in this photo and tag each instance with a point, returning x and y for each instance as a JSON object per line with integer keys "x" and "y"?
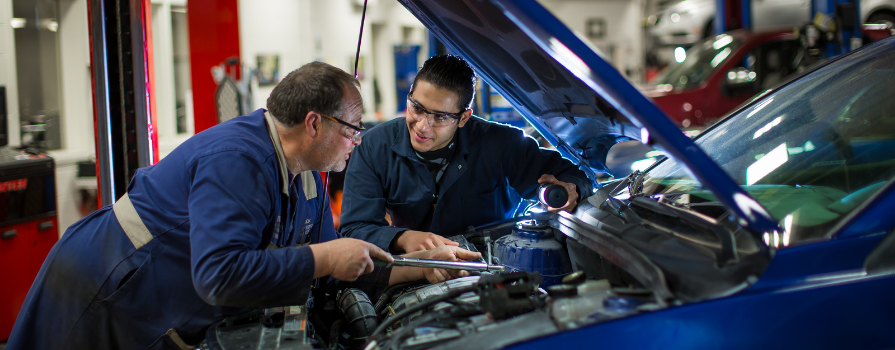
{"x": 492, "y": 166}
{"x": 213, "y": 207}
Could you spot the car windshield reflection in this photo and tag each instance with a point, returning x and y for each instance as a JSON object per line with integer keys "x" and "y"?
{"x": 810, "y": 153}
{"x": 700, "y": 61}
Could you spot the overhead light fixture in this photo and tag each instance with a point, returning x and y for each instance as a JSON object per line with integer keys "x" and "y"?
{"x": 52, "y": 26}
{"x": 680, "y": 54}
{"x": 17, "y": 23}
{"x": 720, "y": 57}
{"x": 759, "y": 106}
{"x": 568, "y": 59}
{"x": 722, "y": 41}
{"x": 787, "y": 229}
{"x": 767, "y": 127}
{"x": 764, "y": 166}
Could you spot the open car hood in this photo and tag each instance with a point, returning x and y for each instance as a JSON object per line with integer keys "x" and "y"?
{"x": 568, "y": 92}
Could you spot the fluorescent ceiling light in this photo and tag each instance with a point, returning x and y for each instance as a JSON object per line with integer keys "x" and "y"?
{"x": 680, "y": 54}
{"x": 764, "y": 166}
{"x": 767, "y": 127}
{"x": 720, "y": 57}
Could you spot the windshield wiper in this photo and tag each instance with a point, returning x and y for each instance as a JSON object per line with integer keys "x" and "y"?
{"x": 633, "y": 183}
{"x": 636, "y": 185}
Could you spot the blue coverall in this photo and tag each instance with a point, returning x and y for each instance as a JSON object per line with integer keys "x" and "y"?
{"x": 492, "y": 166}
{"x": 213, "y": 207}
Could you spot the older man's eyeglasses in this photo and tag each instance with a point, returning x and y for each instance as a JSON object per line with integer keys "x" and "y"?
{"x": 434, "y": 118}
{"x": 357, "y": 131}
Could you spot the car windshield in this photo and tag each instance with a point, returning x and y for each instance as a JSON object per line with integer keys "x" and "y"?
{"x": 810, "y": 153}
{"x": 700, "y": 60}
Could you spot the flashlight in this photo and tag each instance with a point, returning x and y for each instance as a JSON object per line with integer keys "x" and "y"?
{"x": 551, "y": 195}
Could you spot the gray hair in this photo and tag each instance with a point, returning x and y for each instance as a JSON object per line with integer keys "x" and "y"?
{"x": 316, "y": 86}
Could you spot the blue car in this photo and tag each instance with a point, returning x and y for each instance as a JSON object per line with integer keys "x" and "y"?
{"x": 771, "y": 229}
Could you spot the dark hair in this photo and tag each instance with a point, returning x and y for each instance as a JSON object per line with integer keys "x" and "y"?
{"x": 315, "y": 86}
{"x": 451, "y": 73}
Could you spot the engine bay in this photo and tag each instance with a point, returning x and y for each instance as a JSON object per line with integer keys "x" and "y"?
{"x": 612, "y": 258}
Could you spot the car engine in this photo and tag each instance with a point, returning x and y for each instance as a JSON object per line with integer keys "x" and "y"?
{"x": 551, "y": 283}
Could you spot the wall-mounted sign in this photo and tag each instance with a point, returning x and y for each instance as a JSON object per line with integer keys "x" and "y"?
{"x": 268, "y": 69}
{"x": 595, "y": 28}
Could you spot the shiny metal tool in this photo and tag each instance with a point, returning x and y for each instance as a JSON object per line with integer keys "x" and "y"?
{"x": 441, "y": 264}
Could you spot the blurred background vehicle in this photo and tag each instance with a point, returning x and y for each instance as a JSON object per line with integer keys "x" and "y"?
{"x": 686, "y": 22}
{"x": 720, "y": 73}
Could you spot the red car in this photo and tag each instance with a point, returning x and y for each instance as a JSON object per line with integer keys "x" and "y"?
{"x": 722, "y": 72}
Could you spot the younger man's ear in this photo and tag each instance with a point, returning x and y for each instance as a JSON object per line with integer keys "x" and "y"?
{"x": 465, "y": 117}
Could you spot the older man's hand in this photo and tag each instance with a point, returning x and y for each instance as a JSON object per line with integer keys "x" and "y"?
{"x": 346, "y": 259}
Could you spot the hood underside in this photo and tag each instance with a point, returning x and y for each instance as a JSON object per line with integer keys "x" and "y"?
{"x": 568, "y": 113}
{"x": 567, "y": 91}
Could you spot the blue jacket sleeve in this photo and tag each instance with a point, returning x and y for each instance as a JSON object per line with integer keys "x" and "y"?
{"x": 228, "y": 213}
{"x": 364, "y": 200}
{"x": 526, "y": 162}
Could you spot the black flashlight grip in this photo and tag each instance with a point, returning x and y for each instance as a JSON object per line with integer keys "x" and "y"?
{"x": 551, "y": 195}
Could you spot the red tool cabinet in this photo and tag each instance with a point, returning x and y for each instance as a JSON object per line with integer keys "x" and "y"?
{"x": 27, "y": 227}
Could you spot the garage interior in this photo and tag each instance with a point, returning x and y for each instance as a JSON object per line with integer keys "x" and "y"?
{"x": 207, "y": 61}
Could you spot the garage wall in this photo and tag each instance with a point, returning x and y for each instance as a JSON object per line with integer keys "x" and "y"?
{"x": 279, "y": 27}
{"x": 77, "y": 108}
{"x": 301, "y": 31}
{"x": 621, "y": 39}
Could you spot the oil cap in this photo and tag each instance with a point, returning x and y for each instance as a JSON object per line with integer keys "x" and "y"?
{"x": 551, "y": 195}
{"x": 562, "y": 291}
{"x": 574, "y": 278}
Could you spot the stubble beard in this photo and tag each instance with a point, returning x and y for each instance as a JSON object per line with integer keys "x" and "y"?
{"x": 335, "y": 163}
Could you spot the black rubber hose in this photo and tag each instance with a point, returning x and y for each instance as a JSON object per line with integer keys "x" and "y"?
{"x": 334, "y": 332}
{"x": 360, "y": 315}
{"x": 422, "y": 305}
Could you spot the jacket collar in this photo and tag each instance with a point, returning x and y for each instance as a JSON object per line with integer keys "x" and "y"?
{"x": 308, "y": 183}
{"x": 281, "y": 158}
{"x": 465, "y": 142}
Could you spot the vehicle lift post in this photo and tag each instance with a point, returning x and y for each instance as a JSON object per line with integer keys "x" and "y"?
{"x": 732, "y": 14}
{"x": 846, "y": 15}
{"x": 123, "y": 98}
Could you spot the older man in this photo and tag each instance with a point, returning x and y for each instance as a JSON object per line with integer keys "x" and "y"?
{"x": 229, "y": 220}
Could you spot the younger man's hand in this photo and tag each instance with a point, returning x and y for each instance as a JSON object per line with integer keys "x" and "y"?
{"x": 412, "y": 241}
{"x": 448, "y": 253}
{"x": 570, "y": 187}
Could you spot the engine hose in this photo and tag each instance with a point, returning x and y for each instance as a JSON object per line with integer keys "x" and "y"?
{"x": 422, "y": 305}
{"x": 390, "y": 291}
{"x": 334, "y": 332}
{"x": 396, "y": 337}
{"x": 440, "y": 315}
{"x": 360, "y": 315}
